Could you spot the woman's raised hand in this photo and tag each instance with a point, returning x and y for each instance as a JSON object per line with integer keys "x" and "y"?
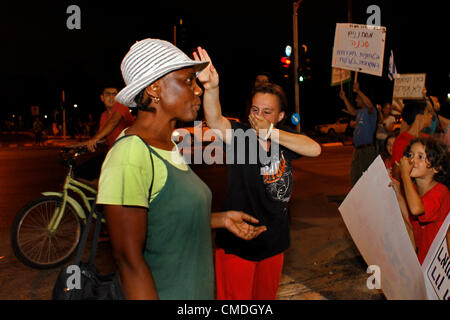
{"x": 208, "y": 77}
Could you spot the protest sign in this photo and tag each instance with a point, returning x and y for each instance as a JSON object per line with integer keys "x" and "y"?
{"x": 359, "y": 48}
{"x": 372, "y": 215}
{"x": 436, "y": 266}
{"x": 409, "y": 86}
{"x": 339, "y": 76}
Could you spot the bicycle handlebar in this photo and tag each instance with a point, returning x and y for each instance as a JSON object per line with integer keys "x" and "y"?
{"x": 69, "y": 154}
{"x": 74, "y": 149}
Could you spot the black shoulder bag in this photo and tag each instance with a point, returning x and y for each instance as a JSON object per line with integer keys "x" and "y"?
{"x": 81, "y": 280}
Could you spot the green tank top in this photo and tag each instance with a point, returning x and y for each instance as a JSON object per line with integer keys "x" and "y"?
{"x": 179, "y": 246}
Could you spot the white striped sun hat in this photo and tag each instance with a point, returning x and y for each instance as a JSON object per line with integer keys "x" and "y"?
{"x": 147, "y": 61}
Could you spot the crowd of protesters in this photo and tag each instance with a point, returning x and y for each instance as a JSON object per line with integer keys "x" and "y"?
{"x": 250, "y": 242}
{"x": 416, "y": 156}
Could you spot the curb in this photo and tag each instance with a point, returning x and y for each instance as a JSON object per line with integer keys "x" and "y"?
{"x": 48, "y": 143}
{"x": 332, "y": 144}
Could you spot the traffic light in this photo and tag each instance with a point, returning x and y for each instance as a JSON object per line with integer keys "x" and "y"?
{"x": 304, "y": 69}
{"x": 286, "y": 62}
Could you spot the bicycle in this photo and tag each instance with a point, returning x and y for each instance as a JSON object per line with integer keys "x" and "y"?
{"x": 46, "y": 231}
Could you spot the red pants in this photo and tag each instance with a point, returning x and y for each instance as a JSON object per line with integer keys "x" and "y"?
{"x": 240, "y": 279}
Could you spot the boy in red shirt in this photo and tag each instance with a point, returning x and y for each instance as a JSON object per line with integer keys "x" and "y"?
{"x": 113, "y": 121}
{"x": 425, "y": 175}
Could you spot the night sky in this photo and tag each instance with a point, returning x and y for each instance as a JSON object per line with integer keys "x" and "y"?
{"x": 41, "y": 56}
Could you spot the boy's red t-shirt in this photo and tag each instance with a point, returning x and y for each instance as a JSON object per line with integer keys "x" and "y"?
{"x": 425, "y": 226}
{"x": 127, "y": 120}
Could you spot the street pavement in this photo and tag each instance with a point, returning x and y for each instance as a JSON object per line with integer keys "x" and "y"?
{"x": 322, "y": 263}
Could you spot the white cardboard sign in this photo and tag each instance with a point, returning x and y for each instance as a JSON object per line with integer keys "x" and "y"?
{"x": 359, "y": 47}
{"x": 436, "y": 266}
{"x": 409, "y": 86}
{"x": 373, "y": 218}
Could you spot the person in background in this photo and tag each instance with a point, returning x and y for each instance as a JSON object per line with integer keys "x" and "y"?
{"x": 251, "y": 270}
{"x": 425, "y": 176}
{"x": 113, "y": 121}
{"x": 158, "y": 211}
{"x": 262, "y": 77}
{"x": 387, "y": 152}
{"x": 363, "y": 134}
{"x": 38, "y": 128}
{"x": 386, "y": 123}
{"x": 439, "y": 123}
{"x": 91, "y": 125}
{"x": 447, "y": 137}
{"x": 417, "y": 115}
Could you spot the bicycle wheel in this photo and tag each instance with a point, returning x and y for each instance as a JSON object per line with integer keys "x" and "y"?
{"x": 37, "y": 247}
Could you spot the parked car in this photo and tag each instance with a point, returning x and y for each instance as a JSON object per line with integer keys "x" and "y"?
{"x": 340, "y": 126}
{"x": 196, "y": 130}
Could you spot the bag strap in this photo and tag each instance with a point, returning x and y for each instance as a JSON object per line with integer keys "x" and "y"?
{"x": 151, "y": 159}
{"x": 98, "y": 227}
{"x": 84, "y": 236}
{"x": 153, "y": 176}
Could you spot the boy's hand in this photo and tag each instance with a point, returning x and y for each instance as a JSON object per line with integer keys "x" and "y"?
{"x": 406, "y": 165}
{"x": 395, "y": 184}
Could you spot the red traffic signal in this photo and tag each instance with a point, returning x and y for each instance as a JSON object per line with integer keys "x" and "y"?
{"x": 286, "y": 62}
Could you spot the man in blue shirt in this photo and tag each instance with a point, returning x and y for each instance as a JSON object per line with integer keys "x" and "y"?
{"x": 364, "y": 133}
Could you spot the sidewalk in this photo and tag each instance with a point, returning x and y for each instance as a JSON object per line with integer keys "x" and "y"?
{"x": 14, "y": 139}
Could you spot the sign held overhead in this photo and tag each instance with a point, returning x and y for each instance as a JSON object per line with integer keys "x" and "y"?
{"x": 359, "y": 48}
{"x": 409, "y": 86}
